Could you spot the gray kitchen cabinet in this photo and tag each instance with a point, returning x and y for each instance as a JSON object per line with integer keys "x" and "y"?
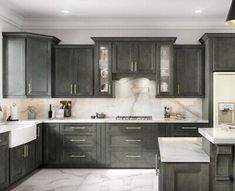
{"x": 103, "y": 69}
{"x": 131, "y": 145}
{"x": 51, "y": 144}
{"x": 185, "y": 129}
{"x": 134, "y": 57}
{"x": 4, "y": 161}
{"x": 222, "y": 51}
{"x": 27, "y": 60}
{"x": 189, "y": 70}
{"x": 184, "y": 177}
{"x": 38, "y": 148}
{"x": 73, "y": 71}
{"x": 22, "y": 161}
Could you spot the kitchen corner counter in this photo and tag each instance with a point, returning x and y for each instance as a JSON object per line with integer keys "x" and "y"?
{"x": 218, "y": 135}
{"x": 180, "y": 149}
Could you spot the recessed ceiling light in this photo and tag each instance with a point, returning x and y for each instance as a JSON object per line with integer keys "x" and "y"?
{"x": 65, "y": 11}
{"x": 198, "y": 11}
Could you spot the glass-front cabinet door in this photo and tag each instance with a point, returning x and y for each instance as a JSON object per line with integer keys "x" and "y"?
{"x": 103, "y": 71}
{"x": 165, "y": 70}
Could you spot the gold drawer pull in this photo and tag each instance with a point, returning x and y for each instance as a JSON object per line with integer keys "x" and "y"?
{"x": 78, "y": 127}
{"x": 133, "y": 128}
{"x": 133, "y": 156}
{"x": 77, "y": 156}
{"x": 188, "y": 128}
{"x": 78, "y": 140}
{"x": 133, "y": 140}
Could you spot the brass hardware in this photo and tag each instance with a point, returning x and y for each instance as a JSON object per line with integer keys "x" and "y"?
{"x": 178, "y": 88}
{"x": 133, "y": 128}
{"x": 78, "y": 140}
{"x": 77, "y": 156}
{"x": 75, "y": 88}
{"x": 78, "y": 127}
{"x": 135, "y": 66}
{"x": 71, "y": 88}
{"x": 109, "y": 89}
{"x": 38, "y": 132}
{"x": 188, "y": 128}
{"x": 133, "y": 140}
{"x": 132, "y": 66}
{"x": 158, "y": 89}
{"x": 29, "y": 88}
{"x": 133, "y": 156}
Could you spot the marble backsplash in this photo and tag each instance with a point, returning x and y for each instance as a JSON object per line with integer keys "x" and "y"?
{"x": 132, "y": 97}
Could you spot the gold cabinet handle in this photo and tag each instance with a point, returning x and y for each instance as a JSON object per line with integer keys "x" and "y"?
{"x": 78, "y": 127}
{"x": 71, "y": 89}
{"x": 78, "y": 140}
{"x": 38, "y": 132}
{"x": 77, "y": 156}
{"x": 132, "y": 66}
{"x": 109, "y": 89}
{"x": 135, "y": 66}
{"x": 133, "y": 156}
{"x": 133, "y": 140}
{"x": 178, "y": 88}
{"x": 75, "y": 88}
{"x": 29, "y": 88}
{"x": 133, "y": 128}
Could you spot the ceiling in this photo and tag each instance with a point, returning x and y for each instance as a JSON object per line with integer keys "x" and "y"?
{"x": 161, "y": 9}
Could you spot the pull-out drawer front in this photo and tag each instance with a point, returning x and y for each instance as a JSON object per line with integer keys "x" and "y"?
{"x": 132, "y": 159}
{"x": 78, "y": 128}
{"x": 133, "y": 140}
{"x": 134, "y": 128}
{"x": 79, "y": 156}
{"x": 79, "y": 141}
{"x": 4, "y": 139}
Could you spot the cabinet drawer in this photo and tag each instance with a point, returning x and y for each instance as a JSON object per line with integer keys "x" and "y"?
{"x": 133, "y": 159}
{"x": 3, "y": 139}
{"x": 79, "y": 141}
{"x": 134, "y": 128}
{"x": 78, "y": 128}
{"x": 78, "y": 156}
{"x": 134, "y": 140}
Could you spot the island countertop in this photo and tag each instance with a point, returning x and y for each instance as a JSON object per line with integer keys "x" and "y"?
{"x": 218, "y": 135}
{"x": 181, "y": 149}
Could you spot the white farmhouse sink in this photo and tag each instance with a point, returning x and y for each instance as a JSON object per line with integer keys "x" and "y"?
{"x": 21, "y": 134}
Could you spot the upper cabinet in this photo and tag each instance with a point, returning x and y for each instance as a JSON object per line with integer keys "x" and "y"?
{"x": 27, "y": 60}
{"x": 221, "y": 48}
{"x": 73, "y": 71}
{"x": 134, "y": 57}
{"x": 189, "y": 70}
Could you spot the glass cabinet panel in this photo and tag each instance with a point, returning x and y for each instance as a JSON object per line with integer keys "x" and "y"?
{"x": 103, "y": 78}
{"x": 165, "y": 71}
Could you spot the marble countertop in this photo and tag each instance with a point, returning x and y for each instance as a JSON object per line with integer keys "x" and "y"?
{"x": 110, "y": 120}
{"x": 181, "y": 149}
{"x": 218, "y": 135}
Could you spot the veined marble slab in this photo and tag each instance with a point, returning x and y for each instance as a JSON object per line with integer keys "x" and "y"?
{"x": 181, "y": 149}
{"x": 218, "y": 135}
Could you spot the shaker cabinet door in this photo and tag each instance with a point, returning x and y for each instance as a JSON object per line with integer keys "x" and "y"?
{"x": 4, "y": 166}
{"x": 83, "y": 68}
{"x": 38, "y": 66}
{"x": 64, "y": 72}
{"x": 189, "y": 65}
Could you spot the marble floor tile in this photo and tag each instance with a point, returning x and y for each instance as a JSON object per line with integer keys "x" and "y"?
{"x": 90, "y": 180}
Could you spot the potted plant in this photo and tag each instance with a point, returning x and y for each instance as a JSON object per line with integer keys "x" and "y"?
{"x": 31, "y": 112}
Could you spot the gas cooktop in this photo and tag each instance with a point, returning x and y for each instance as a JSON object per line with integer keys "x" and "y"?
{"x": 133, "y": 117}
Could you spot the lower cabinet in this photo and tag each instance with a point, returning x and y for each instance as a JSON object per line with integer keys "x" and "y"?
{"x": 22, "y": 161}
{"x": 132, "y": 145}
{"x": 184, "y": 177}
{"x": 4, "y": 161}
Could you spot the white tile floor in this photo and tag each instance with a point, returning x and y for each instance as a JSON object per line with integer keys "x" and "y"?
{"x": 90, "y": 180}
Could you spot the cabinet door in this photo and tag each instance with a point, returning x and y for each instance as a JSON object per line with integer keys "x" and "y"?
{"x": 223, "y": 54}
{"x": 189, "y": 65}
{"x": 13, "y": 67}
{"x": 145, "y": 57}
{"x": 103, "y": 70}
{"x": 123, "y": 57}
{"x": 64, "y": 72}
{"x": 30, "y": 158}
{"x": 184, "y": 177}
{"x": 38, "y": 65}
{"x": 39, "y": 146}
{"x": 4, "y": 166}
{"x": 51, "y": 144}
{"x": 165, "y": 70}
{"x": 17, "y": 163}
{"x": 83, "y": 68}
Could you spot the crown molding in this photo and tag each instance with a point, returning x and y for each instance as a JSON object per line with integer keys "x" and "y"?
{"x": 11, "y": 18}
{"x": 124, "y": 23}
